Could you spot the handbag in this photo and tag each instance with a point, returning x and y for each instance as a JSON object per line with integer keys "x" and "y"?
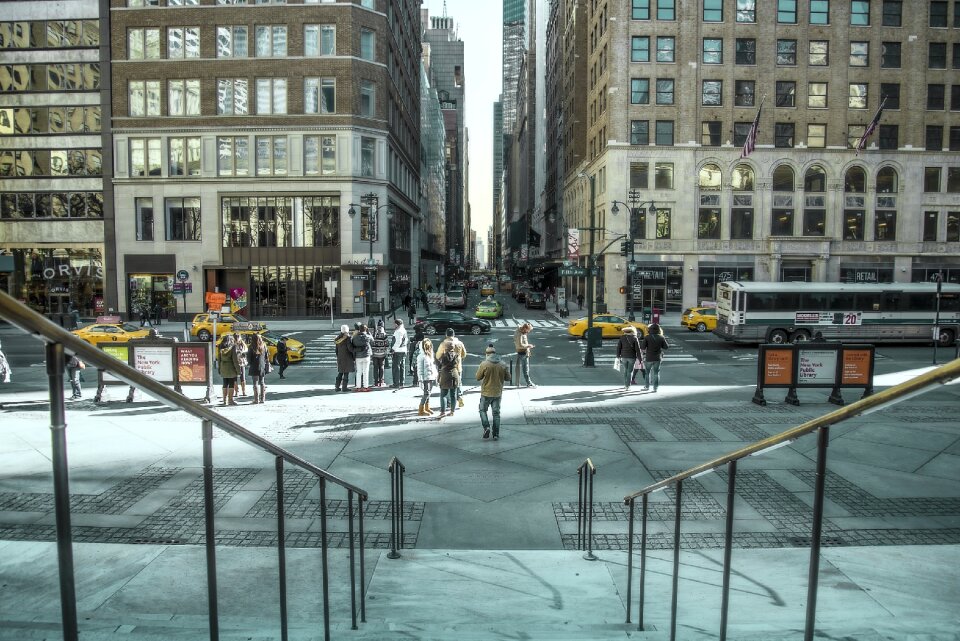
{"x": 617, "y": 364}
{"x": 638, "y": 364}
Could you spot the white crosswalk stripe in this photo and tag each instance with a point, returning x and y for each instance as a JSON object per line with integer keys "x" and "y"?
{"x": 537, "y": 323}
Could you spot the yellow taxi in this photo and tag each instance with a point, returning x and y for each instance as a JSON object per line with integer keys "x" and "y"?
{"x": 609, "y": 323}
{"x": 699, "y": 319}
{"x": 110, "y": 333}
{"x": 296, "y": 350}
{"x": 202, "y": 326}
{"x": 487, "y": 290}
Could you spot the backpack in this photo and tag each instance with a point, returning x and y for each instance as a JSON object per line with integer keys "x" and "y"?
{"x": 449, "y": 359}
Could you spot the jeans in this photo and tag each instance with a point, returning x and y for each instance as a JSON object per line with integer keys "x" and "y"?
{"x": 493, "y": 402}
{"x": 524, "y": 363}
{"x": 427, "y": 389}
{"x": 448, "y": 394}
{"x": 74, "y": 375}
{"x": 378, "y": 369}
{"x": 399, "y": 373}
{"x": 283, "y": 364}
{"x": 363, "y": 372}
{"x": 343, "y": 379}
{"x": 653, "y": 373}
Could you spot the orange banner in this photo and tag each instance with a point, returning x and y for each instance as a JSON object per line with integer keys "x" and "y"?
{"x": 856, "y": 367}
{"x": 215, "y": 300}
{"x": 778, "y": 366}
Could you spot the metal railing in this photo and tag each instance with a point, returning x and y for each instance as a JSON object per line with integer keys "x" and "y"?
{"x": 396, "y": 470}
{"x": 59, "y": 342}
{"x": 585, "y": 474}
{"x": 821, "y": 425}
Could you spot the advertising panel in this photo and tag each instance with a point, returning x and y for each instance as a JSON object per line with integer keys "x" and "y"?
{"x": 154, "y": 361}
{"x": 778, "y": 367}
{"x": 119, "y": 352}
{"x": 817, "y": 367}
{"x": 191, "y": 364}
{"x": 856, "y": 367}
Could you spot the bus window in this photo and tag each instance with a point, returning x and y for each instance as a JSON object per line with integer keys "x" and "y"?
{"x": 891, "y": 302}
{"x": 761, "y": 301}
{"x": 866, "y": 302}
{"x": 919, "y": 302}
{"x": 949, "y": 303}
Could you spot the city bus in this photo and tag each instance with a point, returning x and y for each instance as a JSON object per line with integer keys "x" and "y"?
{"x": 863, "y": 313}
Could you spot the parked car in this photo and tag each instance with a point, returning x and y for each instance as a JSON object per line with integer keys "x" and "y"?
{"x": 456, "y": 297}
{"x": 700, "y": 319}
{"x": 536, "y": 300}
{"x": 439, "y": 322}
{"x": 609, "y": 323}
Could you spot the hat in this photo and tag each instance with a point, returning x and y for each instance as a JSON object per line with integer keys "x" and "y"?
{"x": 629, "y": 329}
{"x": 450, "y": 332}
{"x": 397, "y": 322}
{"x": 344, "y": 329}
{"x": 490, "y": 349}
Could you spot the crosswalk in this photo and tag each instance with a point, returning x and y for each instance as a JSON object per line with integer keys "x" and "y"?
{"x": 674, "y": 355}
{"x": 537, "y": 323}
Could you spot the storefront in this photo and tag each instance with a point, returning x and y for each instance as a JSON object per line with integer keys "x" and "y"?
{"x": 866, "y": 272}
{"x": 927, "y": 272}
{"x": 149, "y": 285}
{"x": 49, "y": 280}
{"x": 658, "y": 285}
{"x": 292, "y": 290}
{"x": 711, "y": 274}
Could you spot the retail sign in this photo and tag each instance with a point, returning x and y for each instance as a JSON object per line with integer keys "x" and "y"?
{"x": 215, "y": 300}
{"x": 183, "y": 288}
{"x": 68, "y": 271}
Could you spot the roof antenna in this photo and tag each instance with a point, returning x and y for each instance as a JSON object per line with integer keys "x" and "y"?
{"x": 444, "y": 8}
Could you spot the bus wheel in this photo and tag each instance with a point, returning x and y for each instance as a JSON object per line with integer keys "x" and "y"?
{"x": 946, "y": 337}
{"x": 800, "y": 336}
{"x": 779, "y": 336}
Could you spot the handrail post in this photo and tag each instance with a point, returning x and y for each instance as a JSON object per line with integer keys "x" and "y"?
{"x": 353, "y": 566}
{"x": 396, "y": 507}
{"x": 823, "y": 439}
{"x": 676, "y": 564}
{"x": 282, "y": 550}
{"x": 591, "y": 472}
{"x": 210, "y": 532}
{"x": 580, "y": 499}
{"x": 324, "y": 565}
{"x": 630, "y": 558}
{"x": 727, "y": 548}
{"x": 363, "y": 574}
{"x": 61, "y": 491}
{"x": 643, "y": 558}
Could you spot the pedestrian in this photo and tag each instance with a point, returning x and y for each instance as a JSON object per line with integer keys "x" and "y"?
{"x": 399, "y": 344}
{"x": 242, "y": 348}
{"x": 283, "y": 358}
{"x": 492, "y": 373}
{"x": 228, "y": 364}
{"x": 74, "y": 366}
{"x": 412, "y": 314}
{"x": 423, "y": 299}
{"x": 144, "y": 315}
{"x": 580, "y": 300}
{"x": 74, "y": 315}
{"x": 449, "y": 364}
{"x": 524, "y": 349}
{"x": 4, "y": 368}
{"x": 414, "y": 348}
{"x": 345, "y": 362}
{"x": 157, "y": 312}
{"x": 451, "y": 342}
{"x": 407, "y": 300}
{"x": 427, "y": 371}
{"x": 653, "y": 345}
{"x": 629, "y": 354}
{"x": 360, "y": 344}
{"x": 379, "y": 347}
{"x": 258, "y": 361}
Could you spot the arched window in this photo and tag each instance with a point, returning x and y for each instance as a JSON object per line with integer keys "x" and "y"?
{"x": 815, "y": 180}
{"x": 855, "y": 181}
{"x": 887, "y": 181}
{"x": 708, "y": 216}
{"x": 783, "y": 182}
{"x": 815, "y": 201}
{"x": 885, "y": 220}
{"x": 741, "y": 213}
{"x": 742, "y": 178}
{"x": 710, "y": 177}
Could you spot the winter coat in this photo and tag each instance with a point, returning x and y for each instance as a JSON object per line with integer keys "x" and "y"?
{"x": 426, "y": 366}
{"x": 360, "y": 345}
{"x": 520, "y": 341}
{"x": 628, "y": 347}
{"x": 654, "y": 344}
{"x": 492, "y": 372}
{"x": 282, "y": 351}
{"x": 400, "y": 340}
{"x": 242, "y": 354}
{"x": 257, "y": 361}
{"x": 449, "y": 373}
{"x": 454, "y": 343}
{"x": 380, "y": 345}
{"x": 229, "y": 362}
{"x": 344, "y": 354}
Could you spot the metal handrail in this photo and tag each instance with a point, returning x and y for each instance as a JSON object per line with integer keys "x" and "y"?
{"x": 396, "y": 470}
{"x": 585, "y": 474}
{"x": 58, "y": 342}
{"x": 919, "y": 385}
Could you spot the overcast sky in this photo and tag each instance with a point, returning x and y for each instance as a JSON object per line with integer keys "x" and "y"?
{"x": 479, "y": 25}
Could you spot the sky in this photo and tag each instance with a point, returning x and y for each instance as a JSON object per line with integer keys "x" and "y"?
{"x": 480, "y": 26}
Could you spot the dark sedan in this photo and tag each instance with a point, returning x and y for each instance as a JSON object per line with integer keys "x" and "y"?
{"x": 439, "y": 322}
{"x": 536, "y": 299}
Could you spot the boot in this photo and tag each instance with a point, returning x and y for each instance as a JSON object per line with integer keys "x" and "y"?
{"x": 230, "y": 393}
{"x": 426, "y": 406}
{"x": 423, "y": 411}
{"x": 263, "y": 395}
{"x": 223, "y": 398}
{"x": 460, "y": 402}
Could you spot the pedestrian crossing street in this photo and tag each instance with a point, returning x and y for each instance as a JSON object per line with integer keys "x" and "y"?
{"x": 606, "y": 357}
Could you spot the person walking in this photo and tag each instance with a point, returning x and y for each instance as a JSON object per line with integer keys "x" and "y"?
{"x": 228, "y": 364}
{"x": 283, "y": 358}
{"x": 427, "y": 371}
{"x": 629, "y": 354}
{"x": 4, "y": 368}
{"x": 653, "y": 345}
{"x": 379, "y": 347}
{"x": 74, "y": 366}
{"x": 400, "y": 343}
{"x": 345, "y": 362}
{"x": 449, "y": 364}
{"x": 425, "y": 301}
{"x": 580, "y": 300}
{"x": 258, "y": 360}
{"x": 157, "y": 313}
{"x": 74, "y": 315}
{"x": 414, "y": 352}
{"x": 521, "y": 340}
{"x": 242, "y": 348}
{"x": 492, "y": 374}
{"x": 360, "y": 344}
{"x": 452, "y": 342}
{"x": 412, "y": 313}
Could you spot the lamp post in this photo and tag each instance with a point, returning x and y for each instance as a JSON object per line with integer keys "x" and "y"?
{"x": 588, "y": 360}
{"x": 633, "y": 213}
{"x": 371, "y": 201}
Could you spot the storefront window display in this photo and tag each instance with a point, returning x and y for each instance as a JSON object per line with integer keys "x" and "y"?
{"x": 293, "y": 290}
{"x": 51, "y": 280}
{"x": 150, "y": 295}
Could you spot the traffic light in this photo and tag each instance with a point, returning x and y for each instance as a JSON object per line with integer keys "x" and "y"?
{"x": 623, "y": 290}
{"x": 623, "y": 248}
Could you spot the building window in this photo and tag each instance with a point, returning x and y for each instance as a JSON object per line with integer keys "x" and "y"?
{"x": 814, "y": 222}
{"x": 640, "y": 49}
{"x": 937, "y": 55}
{"x": 892, "y": 13}
{"x": 819, "y": 11}
{"x": 936, "y": 95}
{"x": 742, "y": 179}
{"x": 934, "y": 138}
{"x": 816, "y": 136}
{"x": 954, "y": 139}
{"x": 183, "y": 42}
{"x": 746, "y": 10}
{"x": 857, "y": 96}
{"x": 786, "y": 93}
{"x": 859, "y": 54}
{"x": 819, "y": 53}
{"x": 368, "y": 155}
{"x": 953, "y": 180}
{"x": 938, "y": 13}
{"x": 953, "y": 226}
{"x": 708, "y": 224}
{"x": 143, "y": 208}
{"x": 713, "y": 10}
{"x": 860, "y": 13}
{"x": 891, "y": 93}
{"x": 663, "y": 224}
{"x": 890, "y": 55}
{"x": 666, "y": 48}
{"x": 639, "y": 132}
{"x": 887, "y": 181}
{"x": 663, "y": 174}
{"x": 184, "y": 157}
{"x": 885, "y": 225}
{"x": 183, "y": 218}
{"x": 319, "y": 155}
{"x": 955, "y": 58}
{"x": 782, "y": 222}
{"x": 666, "y": 10}
{"x": 786, "y": 52}
{"x": 955, "y": 98}
{"x": 233, "y": 156}
{"x": 712, "y": 51}
{"x": 271, "y": 96}
{"x": 183, "y": 97}
{"x": 640, "y": 10}
{"x": 931, "y": 180}
{"x": 741, "y": 224}
{"x": 320, "y": 95}
{"x": 710, "y": 133}
{"x": 746, "y": 51}
{"x": 232, "y": 42}
{"x": 232, "y": 96}
{"x": 740, "y": 131}
{"x": 368, "y": 98}
{"x": 854, "y": 132}
{"x": 639, "y": 175}
{"x": 271, "y": 155}
{"x": 817, "y": 95}
{"x": 931, "y": 225}
{"x": 368, "y": 44}
{"x": 712, "y": 93}
{"x": 143, "y": 44}
{"x": 783, "y": 134}
{"x": 319, "y": 40}
{"x": 664, "y": 133}
{"x": 665, "y": 91}
{"x": 853, "y": 224}
{"x": 145, "y": 157}
{"x": 787, "y": 11}
{"x": 143, "y": 98}
{"x": 271, "y": 41}
{"x": 639, "y": 91}
{"x": 744, "y": 93}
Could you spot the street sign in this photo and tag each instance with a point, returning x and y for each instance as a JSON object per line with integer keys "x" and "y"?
{"x": 183, "y": 274}
{"x": 358, "y": 277}
{"x": 183, "y": 288}
{"x": 573, "y": 271}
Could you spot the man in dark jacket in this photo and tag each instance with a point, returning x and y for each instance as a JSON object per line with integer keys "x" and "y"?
{"x": 283, "y": 359}
{"x": 344, "y": 358}
{"x": 628, "y": 351}
{"x": 653, "y": 343}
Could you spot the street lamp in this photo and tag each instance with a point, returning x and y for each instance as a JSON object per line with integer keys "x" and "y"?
{"x": 370, "y": 201}
{"x": 633, "y": 227}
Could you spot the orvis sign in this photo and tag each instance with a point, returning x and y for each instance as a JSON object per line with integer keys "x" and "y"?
{"x": 67, "y": 271}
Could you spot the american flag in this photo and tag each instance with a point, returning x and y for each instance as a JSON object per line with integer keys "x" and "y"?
{"x": 870, "y": 128}
{"x": 751, "y": 142}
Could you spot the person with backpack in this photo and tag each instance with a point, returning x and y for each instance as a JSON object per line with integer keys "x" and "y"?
{"x": 283, "y": 359}
{"x": 242, "y": 348}
{"x": 492, "y": 374}
{"x": 449, "y": 378}
{"x": 379, "y": 347}
{"x": 228, "y": 364}
{"x": 345, "y": 363}
{"x": 653, "y": 344}
{"x": 427, "y": 371}
{"x": 451, "y": 342}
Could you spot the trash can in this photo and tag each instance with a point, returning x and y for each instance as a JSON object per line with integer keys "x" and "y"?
{"x": 656, "y": 315}
{"x": 594, "y": 337}
{"x": 647, "y": 314}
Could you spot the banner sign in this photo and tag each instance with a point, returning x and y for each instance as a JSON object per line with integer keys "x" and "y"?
{"x": 828, "y": 318}
{"x": 154, "y": 361}
{"x": 192, "y": 364}
{"x": 818, "y": 364}
{"x": 573, "y": 244}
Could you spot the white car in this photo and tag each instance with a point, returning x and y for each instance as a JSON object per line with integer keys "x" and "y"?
{"x": 456, "y": 297}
